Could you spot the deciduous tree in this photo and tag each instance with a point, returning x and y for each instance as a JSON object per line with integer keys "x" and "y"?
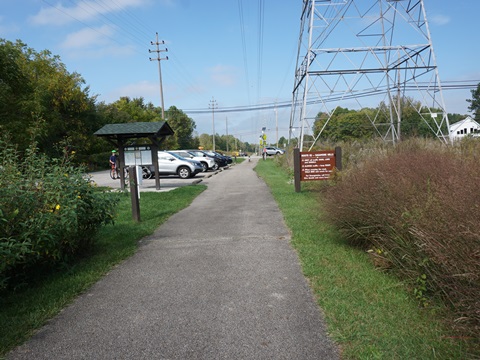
{"x": 474, "y": 102}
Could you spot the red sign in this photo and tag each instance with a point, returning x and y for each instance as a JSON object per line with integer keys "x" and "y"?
{"x": 316, "y": 165}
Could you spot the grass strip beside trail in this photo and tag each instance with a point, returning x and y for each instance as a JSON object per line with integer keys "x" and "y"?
{"x": 22, "y": 312}
{"x": 369, "y": 313}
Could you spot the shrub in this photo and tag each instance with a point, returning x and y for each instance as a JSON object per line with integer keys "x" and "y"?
{"x": 49, "y": 211}
{"x": 415, "y": 208}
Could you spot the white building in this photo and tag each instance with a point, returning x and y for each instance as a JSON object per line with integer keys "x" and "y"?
{"x": 465, "y": 127}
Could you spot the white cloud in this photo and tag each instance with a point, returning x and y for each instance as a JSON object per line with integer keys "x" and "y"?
{"x": 88, "y": 37}
{"x": 95, "y": 43}
{"x": 439, "y": 19}
{"x": 85, "y": 10}
{"x": 223, "y": 75}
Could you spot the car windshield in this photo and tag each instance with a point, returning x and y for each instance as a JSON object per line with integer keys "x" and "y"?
{"x": 176, "y": 155}
{"x": 183, "y": 154}
{"x": 196, "y": 153}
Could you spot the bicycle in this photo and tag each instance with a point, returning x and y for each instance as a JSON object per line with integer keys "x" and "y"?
{"x": 114, "y": 172}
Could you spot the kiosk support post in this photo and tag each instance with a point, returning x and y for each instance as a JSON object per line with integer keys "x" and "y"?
{"x": 134, "y": 193}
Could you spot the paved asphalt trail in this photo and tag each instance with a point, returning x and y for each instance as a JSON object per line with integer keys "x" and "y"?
{"x": 218, "y": 280}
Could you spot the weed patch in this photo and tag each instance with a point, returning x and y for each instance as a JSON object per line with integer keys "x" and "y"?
{"x": 415, "y": 208}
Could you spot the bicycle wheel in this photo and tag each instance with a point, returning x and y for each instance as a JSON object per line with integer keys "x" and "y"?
{"x": 126, "y": 175}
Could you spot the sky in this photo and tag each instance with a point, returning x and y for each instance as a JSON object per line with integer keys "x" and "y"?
{"x": 222, "y": 54}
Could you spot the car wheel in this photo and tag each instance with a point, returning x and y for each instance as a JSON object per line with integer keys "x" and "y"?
{"x": 205, "y": 166}
{"x": 215, "y": 167}
{"x": 146, "y": 173}
{"x": 184, "y": 172}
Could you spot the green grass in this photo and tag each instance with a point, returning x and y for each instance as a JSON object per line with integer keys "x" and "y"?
{"x": 22, "y": 312}
{"x": 238, "y": 160}
{"x": 369, "y": 313}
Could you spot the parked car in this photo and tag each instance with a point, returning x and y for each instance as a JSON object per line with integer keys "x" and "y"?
{"x": 220, "y": 161}
{"x": 228, "y": 158}
{"x": 173, "y": 164}
{"x": 207, "y": 162}
{"x": 223, "y": 160}
{"x": 271, "y": 150}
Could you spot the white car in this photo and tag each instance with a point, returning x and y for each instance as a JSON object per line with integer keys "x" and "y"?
{"x": 207, "y": 162}
{"x": 271, "y": 150}
{"x": 173, "y": 164}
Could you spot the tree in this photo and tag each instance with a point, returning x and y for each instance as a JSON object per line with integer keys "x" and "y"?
{"x": 136, "y": 110}
{"x": 36, "y": 90}
{"x": 475, "y": 103}
{"x": 205, "y": 141}
{"x": 183, "y": 126}
{"x": 344, "y": 125}
{"x": 16, "y": 88}
{"x": 453, "y": 118}
{"x": 282, "y": 142}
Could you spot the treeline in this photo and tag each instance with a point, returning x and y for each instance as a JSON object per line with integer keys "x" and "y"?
{"x": 38, "y": 95}
{"x": 346, "y": 124}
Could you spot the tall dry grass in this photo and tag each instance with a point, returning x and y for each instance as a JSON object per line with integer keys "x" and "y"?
{"x": 416, "y": 207}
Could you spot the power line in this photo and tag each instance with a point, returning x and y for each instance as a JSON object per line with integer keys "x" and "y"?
{"x": 446, "y": 85}
{"x": 138, "y": 37}
{"x": 261, "y": 12}
{"x": 244, "y": 47}
{"x": 95, "y": 10}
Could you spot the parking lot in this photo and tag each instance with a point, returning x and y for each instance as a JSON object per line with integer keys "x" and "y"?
{"x": 167, "y": 183}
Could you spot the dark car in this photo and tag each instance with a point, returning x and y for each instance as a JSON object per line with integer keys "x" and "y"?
{"x": 223, "y": 161}
{"x": 228, "y": 158}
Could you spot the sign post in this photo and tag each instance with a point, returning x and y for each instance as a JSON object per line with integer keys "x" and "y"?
{"x": 296, "y": 169}
{"x": 263, "y": 143}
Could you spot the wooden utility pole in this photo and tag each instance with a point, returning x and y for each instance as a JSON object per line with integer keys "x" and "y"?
{"x": 213, "y": 105}
{"x": 158, "y": 58}
{"x": 226, "y": 129}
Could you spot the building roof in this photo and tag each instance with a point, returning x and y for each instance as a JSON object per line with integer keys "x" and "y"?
{"x": 135, "y": 130}
{"x": 468, "y": 121}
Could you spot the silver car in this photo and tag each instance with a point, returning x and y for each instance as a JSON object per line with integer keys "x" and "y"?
{"x": 271, "y": 150}
{"x": 173, "y": 164}
{"x": 207, "y": 162}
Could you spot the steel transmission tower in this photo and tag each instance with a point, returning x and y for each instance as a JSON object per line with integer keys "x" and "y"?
{"x": 374, "y": 54}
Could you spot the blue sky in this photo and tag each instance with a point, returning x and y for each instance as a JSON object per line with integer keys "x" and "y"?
{"x": 238, "y": 53}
